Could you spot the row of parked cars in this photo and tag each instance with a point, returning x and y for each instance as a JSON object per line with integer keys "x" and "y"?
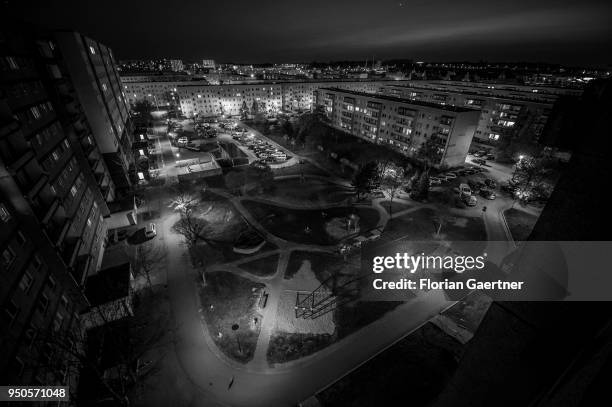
{"x": 451, "y": 175}
{"x": 264, "y": 150}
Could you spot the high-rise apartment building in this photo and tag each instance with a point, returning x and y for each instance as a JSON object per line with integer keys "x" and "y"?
{"x": 93, "y": 71}
{"x": 55, "y": 191}
{"x": 507, "y": 111}
{"x": 402, "y": 124}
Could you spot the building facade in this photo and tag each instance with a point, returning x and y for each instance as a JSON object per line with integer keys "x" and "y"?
{"x": 507, "y": 111}
{"x": 402, "y": 124}
{"x": 55, "y": 193}
{"x": 209, "y": 100}
{"x": 94, "y": 73}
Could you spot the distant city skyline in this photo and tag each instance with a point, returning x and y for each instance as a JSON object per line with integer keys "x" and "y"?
{"x": 559, "y": 32}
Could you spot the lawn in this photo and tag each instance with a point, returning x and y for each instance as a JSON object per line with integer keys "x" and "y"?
{"x": 230, "y": 301}
{"x": 263, "y": 267}
{"x": 307, "y": 225}
{"x": 520, "y": 223}
{"x": 285, "y": 346}
{"x": 415, "y": 369}
{"x": 310, "y": 191}
{"x": 423, "y": 225}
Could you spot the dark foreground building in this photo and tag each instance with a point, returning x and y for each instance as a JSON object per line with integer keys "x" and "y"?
{"x": 64, "y": 128}
{"x": 551, "y": 354}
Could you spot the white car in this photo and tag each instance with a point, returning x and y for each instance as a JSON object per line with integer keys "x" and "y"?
{"x": 450, "y": 175}
{"x": 464, "y": 189}
{"x": 150, "y": 231}
{"x": 182, "y": 140}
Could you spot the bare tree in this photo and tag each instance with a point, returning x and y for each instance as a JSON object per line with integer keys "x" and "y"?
{"x": 148, "y": 257}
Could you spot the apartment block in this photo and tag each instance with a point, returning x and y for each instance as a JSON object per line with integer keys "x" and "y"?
{"x": 93, "y": 71}
{"x": 55, "y": 192}
{"x": 507, "y": 111}
{"x": 402, "y": 124}
{"x": 212, "y": 100}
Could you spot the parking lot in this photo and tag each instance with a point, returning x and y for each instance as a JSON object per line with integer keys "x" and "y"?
{"x": 262, "y": 148}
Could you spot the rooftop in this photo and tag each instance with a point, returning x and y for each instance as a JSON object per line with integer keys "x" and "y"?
{"x": 400, "y": 100}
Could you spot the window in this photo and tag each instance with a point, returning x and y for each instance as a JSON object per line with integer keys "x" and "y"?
{"x": 66, "y": 143}
{"x": 73, "y": 190}
{"x": 8, "y": 257}
{"x": 21, "y": 239}
{"x": 5, "y": 216}
{"x": 92, "y": 50}
{"x": 43, "y": 304}
{"x": 57, "y": 322}
{"x": 36, "y": 262}
{"x": 104, "y": 87}
{"x": 51, "y": 283}
{"x": 11, "y": 310}
{"x": 35, "y": 112}
{"x": 30, "y": 333}
{"x": 26, "y": 282}
{"x": 64, "y": 302}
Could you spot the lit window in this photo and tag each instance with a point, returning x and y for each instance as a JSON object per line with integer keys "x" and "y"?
{"x": 73, "y": 190}
{"x": 92, "y": 50}
{"x": 12, "y": 63}
{"x": 35, "y": 112}
{"x": 140, "y": 176}
{"x": 66, "y": 143}
{"x": 104, "y": 87}
{"x": 141, "y": 152}
{"x": 26, "y": 282}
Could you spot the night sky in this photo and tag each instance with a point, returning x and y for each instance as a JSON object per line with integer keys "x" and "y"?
{"x": 570, "y": 32}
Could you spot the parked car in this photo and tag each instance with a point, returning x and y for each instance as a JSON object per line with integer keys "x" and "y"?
{"x": 435, "y": 181}
{"x": 469, "y": 200}
{"x": 182, "y": 140}
{"x": 480, "y": 161}
{"x": 487, "y": 194}
{"x": 450, "y": 175}
{"x": 464, "y": 189}
{"x": 150, "y": 231}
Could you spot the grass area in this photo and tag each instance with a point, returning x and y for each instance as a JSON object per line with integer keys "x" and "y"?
{"x": 395, "y": 206}
{"x": 285, "y": 346}
{"x": 263, "y": 267}
{"x": 423, "y": 225}
{"x": 229, "y": 300}
{"x": 306, "y": 225}
{"x": 310, "y": 191}
{"x": 423, "y": 361}
{"x": 520, "y": 223}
